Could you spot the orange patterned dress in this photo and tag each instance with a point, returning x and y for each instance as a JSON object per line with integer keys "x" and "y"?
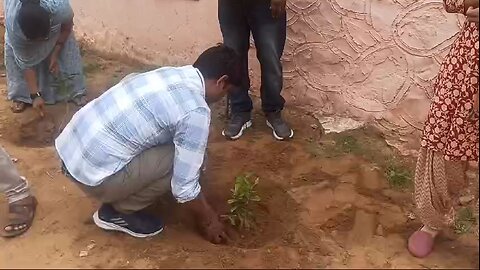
{"x": 452, "y": 126}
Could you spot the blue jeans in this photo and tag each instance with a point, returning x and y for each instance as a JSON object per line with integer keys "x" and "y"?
{"x": 237, "y": 19}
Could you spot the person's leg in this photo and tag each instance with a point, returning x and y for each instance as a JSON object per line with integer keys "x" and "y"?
{"x": 16, "y": 85}
{"x": 236, "y": 35}
{"x": 12, "y": 184}
{"x": 140, "y": 183}
{"x": 21, "y": 203}
{"x": 437, "y": 183}
{"x": 270, "y": 35}
{"x": 129, "y": 191}
{"x": 71, "y": 65}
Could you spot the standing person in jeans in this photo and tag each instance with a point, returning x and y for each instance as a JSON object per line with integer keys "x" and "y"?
{"x": 21, "y": 204}
{"x": 267, "y": 21}
{"x": 147, "y": 136}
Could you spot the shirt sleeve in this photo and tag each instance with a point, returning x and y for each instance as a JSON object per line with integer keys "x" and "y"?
{"x": 454, "y": 6}
{"x": 64, "y": 14}
{"x": 190, "y": 139}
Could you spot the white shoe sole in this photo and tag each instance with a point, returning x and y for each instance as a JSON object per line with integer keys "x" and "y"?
{"x": 240, "y": 134}
{"x": 278, "y": 137}
{"x": 113, "y": 227}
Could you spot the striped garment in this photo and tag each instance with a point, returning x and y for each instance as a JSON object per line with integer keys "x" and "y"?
{"x": 142, "y": 111}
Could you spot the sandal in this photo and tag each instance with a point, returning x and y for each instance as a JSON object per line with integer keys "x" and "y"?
{"x": 18, "y": 106}
{"x": 420, "y": 243}
{"x": 20, "y": 217}
{"x": 79, "y": 101}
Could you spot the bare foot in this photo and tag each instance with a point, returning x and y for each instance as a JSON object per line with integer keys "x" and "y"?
{"x": 20, "y": 218}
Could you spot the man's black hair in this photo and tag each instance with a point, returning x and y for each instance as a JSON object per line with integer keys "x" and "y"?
{"x": 218, "y": 61}
{"x": 34, "y": 20}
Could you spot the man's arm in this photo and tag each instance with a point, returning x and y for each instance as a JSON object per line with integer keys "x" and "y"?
{"x": 191, "y": 136}
{"x": 190, "y": 139}
{"x": 278, "y": 8}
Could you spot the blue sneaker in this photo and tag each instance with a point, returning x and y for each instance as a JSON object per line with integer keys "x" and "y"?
{"x": 137, "y": 224}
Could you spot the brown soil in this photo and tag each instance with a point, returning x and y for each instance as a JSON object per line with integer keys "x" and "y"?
{"x": 315, "y": 212}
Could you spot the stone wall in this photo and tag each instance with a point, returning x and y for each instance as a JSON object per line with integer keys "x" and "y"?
{"x": 373, "y": 60}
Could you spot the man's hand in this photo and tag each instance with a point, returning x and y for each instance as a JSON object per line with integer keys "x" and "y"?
{"x": 472, "y": 15}
{"x": 215, "y": 231}
{"x": 208, "y": 220}
{"x": 39, "y": 105}
{"x": 278, "y": 8}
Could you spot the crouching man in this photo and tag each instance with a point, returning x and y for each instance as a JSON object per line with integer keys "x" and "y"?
{"x": 145, "y": 136}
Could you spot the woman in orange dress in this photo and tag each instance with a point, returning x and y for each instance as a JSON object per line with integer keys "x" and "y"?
{"x": 450, "y": 137}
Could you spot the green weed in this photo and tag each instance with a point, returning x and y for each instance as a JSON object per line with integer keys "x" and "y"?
{"x": 398, "y": 176}
{"x": 464, "y": 221}
{"x": 64, "y": 89}
{"x": 348, "y": 144}
{"x": 90, "y": 68}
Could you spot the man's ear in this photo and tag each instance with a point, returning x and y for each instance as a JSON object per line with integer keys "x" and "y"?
{"x": 223, "y": 81}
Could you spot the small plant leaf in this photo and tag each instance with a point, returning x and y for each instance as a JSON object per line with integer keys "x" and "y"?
{"x": 255, "y": 198}
{"x": 243, "y": 197}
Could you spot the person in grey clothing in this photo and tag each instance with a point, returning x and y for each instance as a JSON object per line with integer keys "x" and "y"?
{"x": 21, "y": 203}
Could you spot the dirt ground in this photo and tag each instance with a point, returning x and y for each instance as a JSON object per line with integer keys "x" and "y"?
{"x": 326, "y": 202}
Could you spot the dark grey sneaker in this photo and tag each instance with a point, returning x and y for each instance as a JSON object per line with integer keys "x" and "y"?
{"x": 237, "y": 125}
{"x": 281, "y": 130}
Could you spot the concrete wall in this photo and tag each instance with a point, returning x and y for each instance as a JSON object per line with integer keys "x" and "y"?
{"x": 156, "y": 31}
{"x": 370, "y": 59}
{"x": 374, "y": 59}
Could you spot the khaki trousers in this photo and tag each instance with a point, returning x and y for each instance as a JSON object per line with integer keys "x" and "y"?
{"x": 140, "y": 183}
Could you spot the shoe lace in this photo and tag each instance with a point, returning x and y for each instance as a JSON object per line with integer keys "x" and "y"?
{"x": 276, "y": 119}
{"x": 237, "y": 119}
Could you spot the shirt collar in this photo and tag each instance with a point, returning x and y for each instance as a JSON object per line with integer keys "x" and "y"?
{"x": 201, "y": 79}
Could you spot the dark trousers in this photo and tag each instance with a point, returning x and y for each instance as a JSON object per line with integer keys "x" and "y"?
{"x": 239, "y": 18}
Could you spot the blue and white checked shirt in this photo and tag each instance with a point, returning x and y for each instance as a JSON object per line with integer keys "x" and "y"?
{"x": 140, "y": 112}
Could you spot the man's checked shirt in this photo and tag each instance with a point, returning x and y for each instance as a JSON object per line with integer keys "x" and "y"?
{"x": 142, "y": 111}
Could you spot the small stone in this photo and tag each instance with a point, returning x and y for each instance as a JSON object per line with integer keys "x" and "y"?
{"x": 83, "y": 254}
{"x": 14, "y": 160}
{"x": 379, "y": 230}
{"x": 91, "y": 246}
{"x": 314, "y": 126}
{"x": 411, "y": 216}
{"x": 464, "y": 200}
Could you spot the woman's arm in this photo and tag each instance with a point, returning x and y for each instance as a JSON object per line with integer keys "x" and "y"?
{"x": 66, "y": 30}
{"x": 459, "y": 6}
{"x": 37, "y": 101}
{"x": 31, "y": 77}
